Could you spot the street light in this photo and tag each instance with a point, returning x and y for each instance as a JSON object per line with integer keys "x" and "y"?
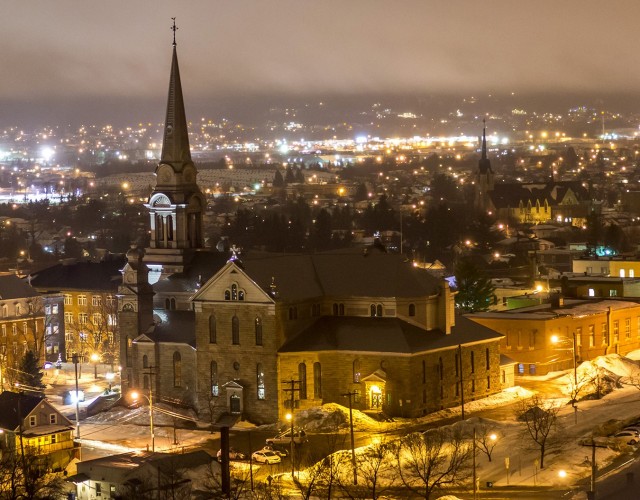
{"x": 134, "y": 396}
{"x": 289, "y": 417}
{"x": 95, "y": 358}
{"x": 110, "y": 376}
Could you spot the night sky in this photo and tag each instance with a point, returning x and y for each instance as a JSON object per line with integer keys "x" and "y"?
{"x": 75, "y": 60}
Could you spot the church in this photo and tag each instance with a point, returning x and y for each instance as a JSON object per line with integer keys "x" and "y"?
{"x": 258, "y": 335}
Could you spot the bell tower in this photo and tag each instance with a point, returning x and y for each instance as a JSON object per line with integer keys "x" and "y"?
{"x": 176, "y": 205}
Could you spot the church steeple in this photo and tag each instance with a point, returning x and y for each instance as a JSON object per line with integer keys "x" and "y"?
{"x": 175, "y": 144}
{"x": 176, "y": 205}
{"x": 484, "y": 165}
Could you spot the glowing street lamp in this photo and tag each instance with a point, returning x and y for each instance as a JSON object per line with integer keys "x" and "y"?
{"x": 95, "y": 357}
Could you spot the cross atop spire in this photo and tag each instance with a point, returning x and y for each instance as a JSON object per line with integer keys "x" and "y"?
{"x": 174, "y": 28}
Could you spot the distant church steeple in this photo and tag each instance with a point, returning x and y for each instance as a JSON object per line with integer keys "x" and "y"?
{"x": 484, "y": 165}
{"x": 176, "y": 204}
{"x": 484, "y": 177}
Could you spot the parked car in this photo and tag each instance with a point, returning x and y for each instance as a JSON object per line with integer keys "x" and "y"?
{"x": 233, "y": 455}
{"x": 627, "y": 437}
{"x": 266, "y": 457}
{"x": 281, "y": 452}
{"x": 635, "y": 428}
{"x": 299, "y": 437}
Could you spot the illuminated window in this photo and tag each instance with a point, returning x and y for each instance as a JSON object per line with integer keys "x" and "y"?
{"x": 96, "y": 300}
{"x": 627, "y": 328}
{"x": 68, "y": 300}
{"x": 82, "y": 300}
{"x": 356, "y": 371}
{"x": 215, "y": 388}
{"x": 260, "y": 381}
{"x": 592, "y": 335}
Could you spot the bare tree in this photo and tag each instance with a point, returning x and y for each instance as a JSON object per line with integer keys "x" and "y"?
{"x": 376, "y": 469}
{"x": 432, "y": 461}
{"x": 240, "y": 483}
{"x": 540, "y": 419}
{"x": 486, "y": 440}
{"x": 28, "y": 475}
{"x": 94, "y": 329}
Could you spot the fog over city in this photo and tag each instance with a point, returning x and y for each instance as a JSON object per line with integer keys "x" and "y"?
{"x": 67, "y": 61}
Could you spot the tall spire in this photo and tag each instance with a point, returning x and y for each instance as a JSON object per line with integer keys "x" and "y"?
{"x": 484, "y": 136}
{"x": 484, "y": 165}
{"x": 175, "y": 145}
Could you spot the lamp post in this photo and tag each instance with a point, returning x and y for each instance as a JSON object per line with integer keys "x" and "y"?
{"x": 95, "y": 358}
{"x": 110, "y": 376}
{"x": 134, "y": 396}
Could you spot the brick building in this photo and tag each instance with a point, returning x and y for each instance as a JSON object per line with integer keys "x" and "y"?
{"x": 234, "y": 336}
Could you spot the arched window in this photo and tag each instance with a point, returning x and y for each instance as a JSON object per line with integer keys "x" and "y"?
{"x": 177, "y": 370}
{"x": 356, "y": 371}
{"x": 373, "y": 310}
{"x": 173, "y": 304}
{"x": 167, "y": 304}
{"x": 260, "y": 381}
{"x": 379, "y": 310}
{"x": 258, "y": 323}
{"x": 473, "y": 362}
{"x": 334, "y": 309}
{"x": 241, "y": 295}
{"x": 412, "y": 309}
{"x": 145, "y": 361}
{"x": 227, "y": 295}
{"x": 169, "y": 228}
{"x": 213, "y": 332}
{"x": 235, "y": 330}
{"x": 440, "y": 368}
{"x": 424, "y": 371}
{"x": 215, "y": 388}
{"x": 341, "y": 309}
{"x": 487, "y": 358}
{"x": 302, "y": 377}
{"x": 317, "y": 381}
{"x": 234, "y": 292}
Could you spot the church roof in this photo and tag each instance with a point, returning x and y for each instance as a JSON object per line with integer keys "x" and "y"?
{"x": 103, "y": 276}
{"x": 388, "y": 335}
{"x": 177, "y": 327}
{"x": 511, "y": 194}
{"x": 374, "y": 274}
{"x": 200, "y": 268}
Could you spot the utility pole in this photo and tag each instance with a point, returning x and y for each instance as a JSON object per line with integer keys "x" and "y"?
{"x": 461, "y": 379}
{"x": 351, "y": 395}
{"x": 151, "y": 373}
{"x": 75, "y": 365}
{"x": 292, "y": 389}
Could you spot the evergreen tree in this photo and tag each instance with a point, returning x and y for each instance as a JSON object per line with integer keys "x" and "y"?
{"x": 278, "y": 181}
{"x": 30, "y": 374}
{"x": 299, "y": 175}
{"x": 289, "y": 176}
{"x": 475, "y": 290}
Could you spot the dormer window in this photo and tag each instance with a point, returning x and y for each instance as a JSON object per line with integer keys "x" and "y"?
{"x": 376, "y": 310}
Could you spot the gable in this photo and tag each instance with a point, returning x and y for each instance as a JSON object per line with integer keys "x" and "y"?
{"x": 231, "y": 284}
